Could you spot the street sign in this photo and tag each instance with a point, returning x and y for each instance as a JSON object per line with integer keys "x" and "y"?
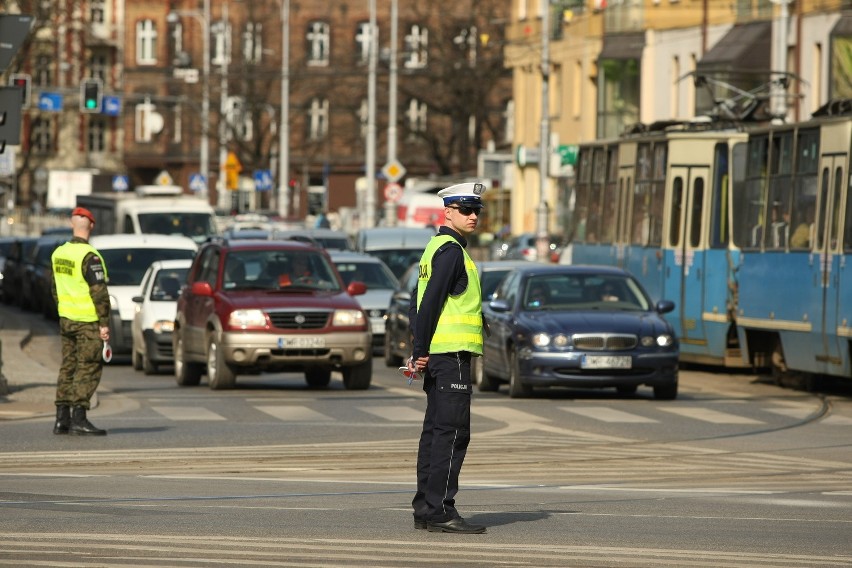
{"x": 233, "y": 167}
{"x": 262, "y": 180}
{"x": 393, "y": 191}
{"x": 393, "y": 171}
{"x": 111, "y": 106}
{"x": 197, "y": 183}
{"x": 164, "y": 179}
{"x": 120, "y": 183}
{"x": 50, "y": 102}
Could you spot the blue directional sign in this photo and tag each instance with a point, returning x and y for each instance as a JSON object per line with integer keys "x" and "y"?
{"x": 120, "y": 183}
{"x": 111, "y": 106}
{"x": 262, "y": 180}
{"x": 197, "y": 182}
{"x": 51, "y": 102}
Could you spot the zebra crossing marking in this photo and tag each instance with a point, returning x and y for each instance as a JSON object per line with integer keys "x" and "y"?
{"x": 708, "y": 415}
{"x": 293, "y": 413}
{"x": 187, "y": 413}
{"x": 606, "y": 414}
{"x": 394, "y": 413}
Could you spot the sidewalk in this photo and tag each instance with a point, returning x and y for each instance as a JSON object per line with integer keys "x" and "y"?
{"x": 30, "y": 361}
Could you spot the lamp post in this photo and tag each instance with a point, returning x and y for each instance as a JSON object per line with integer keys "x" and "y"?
{"x": 542, "y": 240}
{"x": 284, "y": 130}
{"x": 203, "y": 18}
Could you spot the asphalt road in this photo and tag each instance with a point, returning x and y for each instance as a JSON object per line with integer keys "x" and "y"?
{"x": 735, "y": 472}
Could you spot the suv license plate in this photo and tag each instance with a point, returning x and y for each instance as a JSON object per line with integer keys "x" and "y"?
{"x": 606, "y": 362}
{"x": 301, "y": 342}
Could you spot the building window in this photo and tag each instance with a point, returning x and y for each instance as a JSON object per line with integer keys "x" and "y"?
{"x": 363, "y": 118}
{"x": 618, "y": 96}
{"x": 42, "y": 136}
{"x": 416, "y": 117}
{"x": 238, "y": 119}
{"x": 96, "y": 135}
{"x": 146, "y": 122}
{"x": 177, "y": 44}
{"x": 466, "y": 41}
{"x": 221, "y": 43}
{"x": 416, "y": 45}
{"x": 43, "y": 75}
{"x": 319, "y": 43}
{"x": 362, "y": 42}
{"x": 96, "y": 11}
{"x": 509, "y": 121}
{"x": 98, "y": 66}
{"x": 522, "y": 9}
{"x": 146, "y": 43}
{"x": 253, "y": 42}
{"x": 318, "y": 119}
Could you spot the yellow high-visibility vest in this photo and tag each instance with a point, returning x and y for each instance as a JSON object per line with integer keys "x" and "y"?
{"x": 72, "y": 290}
{"x": 460, "y": 323}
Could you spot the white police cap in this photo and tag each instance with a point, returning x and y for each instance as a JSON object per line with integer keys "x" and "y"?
{"x": 468, "y": 194}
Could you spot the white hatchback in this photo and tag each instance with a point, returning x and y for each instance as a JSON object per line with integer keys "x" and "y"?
{"x": 154, "y": 320}
{"x": 127, "y": 257}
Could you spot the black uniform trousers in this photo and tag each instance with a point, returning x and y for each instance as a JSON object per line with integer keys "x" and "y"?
{"x": 445, "y": 436}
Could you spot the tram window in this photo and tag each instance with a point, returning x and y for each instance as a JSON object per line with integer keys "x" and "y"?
{"x": 835, "y": 206}
{"x": 807, "y": 151}
{"x": 640, "y": 214}
{"x": 739, "y": 196}
{"x": 823, "y": 206}
{"x": 609, "y": 208}
{"x": 677, "y": 210}
{"x": 696, "y": 213}
{"x": 658, "y": 188}
{"x": 847, "y": 233}
{"x": 782, "y": 154}
{"x": 720, "y": 195}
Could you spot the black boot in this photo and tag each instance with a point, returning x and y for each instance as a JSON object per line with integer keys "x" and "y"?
{"x": 63, "y": 419}
{"x": 82, "y": 427}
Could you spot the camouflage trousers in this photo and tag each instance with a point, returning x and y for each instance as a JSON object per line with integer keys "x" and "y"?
{"x": 82, "y": 362}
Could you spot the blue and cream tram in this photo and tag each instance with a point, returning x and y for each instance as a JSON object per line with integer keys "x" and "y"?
{"x": 659, "y": 203}
{"x": 793, "y": 223}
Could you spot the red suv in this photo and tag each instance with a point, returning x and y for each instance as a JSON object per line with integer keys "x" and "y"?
{"x": 281, "y": 306}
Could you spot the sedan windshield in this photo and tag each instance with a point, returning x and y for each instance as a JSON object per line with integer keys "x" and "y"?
{"x": 583, "y": 292}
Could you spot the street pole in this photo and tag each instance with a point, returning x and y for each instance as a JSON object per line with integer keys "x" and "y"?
{"x": 284, "y": 130}
{"x": 370, "y": 202}
{"x": 390, "y": 206}
{"x": 221, "y": 189}
{"x": 205, "y": 103}
{"x": 542, "y": 240}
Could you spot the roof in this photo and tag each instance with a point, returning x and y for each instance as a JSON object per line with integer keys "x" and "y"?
{"x": 352, "y": 256}
{"x": 142, "y": 241}
{"x": 542, "y": 268}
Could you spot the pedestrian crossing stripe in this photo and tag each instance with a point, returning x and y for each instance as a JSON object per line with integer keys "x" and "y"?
{"x": 515, "y": 420}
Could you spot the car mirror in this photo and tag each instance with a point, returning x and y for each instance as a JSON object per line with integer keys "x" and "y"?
{"x": 138, "y": 299}
{"x": 665, "y": 306}
{"x": 202, "y": 289}
{"x": 356, "y": 288}
{"x": 499, "y": 305}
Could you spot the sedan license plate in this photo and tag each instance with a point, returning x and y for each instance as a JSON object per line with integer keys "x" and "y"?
{"x": 606, "y": 362}
{"x": 301, "y": 342}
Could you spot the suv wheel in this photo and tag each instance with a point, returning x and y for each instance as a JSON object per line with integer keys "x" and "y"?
{"x": 187, "y": 374}
{"x": 318, "y": 378}
{"x": 358, "y": 377}
{"x": 219, "y": 373}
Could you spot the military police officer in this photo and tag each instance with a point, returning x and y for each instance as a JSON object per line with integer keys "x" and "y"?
{"x": 446, "y": 321}
{"x": 80, "y": 290}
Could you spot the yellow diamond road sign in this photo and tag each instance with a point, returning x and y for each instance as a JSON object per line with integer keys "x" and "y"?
{"x": 393, "y": 171}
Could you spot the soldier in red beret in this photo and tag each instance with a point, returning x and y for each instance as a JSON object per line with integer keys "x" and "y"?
{"x": 80, "y": 290}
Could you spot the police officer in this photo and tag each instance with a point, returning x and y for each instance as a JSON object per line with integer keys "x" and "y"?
{"x": 80, "y": 290}
{"x": 446, "y": 321}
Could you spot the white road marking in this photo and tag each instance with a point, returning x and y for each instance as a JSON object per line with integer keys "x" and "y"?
{"x": 291, "y": 413}
{"x": 707, "y": 415}
{"x": 184, "y": 413}
{"x": 605, "y": 414}
{"x": 394, "y": 413}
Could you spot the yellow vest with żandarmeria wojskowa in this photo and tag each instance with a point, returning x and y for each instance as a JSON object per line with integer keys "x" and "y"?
{"x": 460, "y": 323}
{"x": 72, "y": 291}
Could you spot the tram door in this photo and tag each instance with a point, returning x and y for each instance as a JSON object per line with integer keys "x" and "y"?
{"x": 827, "y": 267}
{"x": 684, "y": 273}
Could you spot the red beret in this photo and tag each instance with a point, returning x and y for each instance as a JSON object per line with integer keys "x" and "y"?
{"x": 83, "y": 212}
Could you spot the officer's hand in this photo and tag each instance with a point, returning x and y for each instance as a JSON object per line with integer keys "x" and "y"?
{"x": 104, "y": 333}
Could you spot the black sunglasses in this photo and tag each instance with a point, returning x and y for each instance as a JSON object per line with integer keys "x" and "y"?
{"x": 467, "y": 210}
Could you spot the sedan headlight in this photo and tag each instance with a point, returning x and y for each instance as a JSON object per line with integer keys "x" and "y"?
{"x": 664, "y": 340}
{"x": 541, "y": 340}
{"x": 164, "y": 326}
{"x": 348, "y": 318}
{"x": 242, "y": 319}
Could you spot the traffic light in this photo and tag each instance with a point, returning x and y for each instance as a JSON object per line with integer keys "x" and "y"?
{"x": 23, "y": 81}
{"x": 91, "y": 95}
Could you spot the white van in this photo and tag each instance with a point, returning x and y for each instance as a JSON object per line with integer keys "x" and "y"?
{"x": 127, "y": 258}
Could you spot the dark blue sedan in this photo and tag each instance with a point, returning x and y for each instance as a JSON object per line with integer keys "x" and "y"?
{"x": 577, "y": 326}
